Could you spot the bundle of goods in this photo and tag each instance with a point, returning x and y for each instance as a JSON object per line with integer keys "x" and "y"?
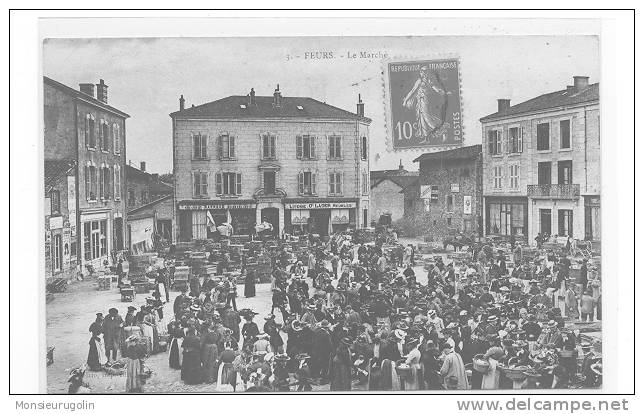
{"x": 104, "y": 282}
{"x": 480, "y": 364}
{"x": 181, "y": 277}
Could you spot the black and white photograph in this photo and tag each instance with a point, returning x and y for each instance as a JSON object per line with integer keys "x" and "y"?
{"x": 342, "y": 213}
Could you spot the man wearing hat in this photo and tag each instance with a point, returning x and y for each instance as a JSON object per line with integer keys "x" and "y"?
{"x": 112, "y": 333}
{"x": 309, "y": 318}
{"x": 453, "y": 367}
{"x": 180, "y": 301}
{"x": 231, "y": 320}
{"x": 250, "y": 330}
{"x": 321, "y": 350}
{"x": 550, "y": 336}
{"x": 130, "y": 317}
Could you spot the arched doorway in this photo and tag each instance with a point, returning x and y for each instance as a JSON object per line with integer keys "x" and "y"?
{"x": 272, "y": 215}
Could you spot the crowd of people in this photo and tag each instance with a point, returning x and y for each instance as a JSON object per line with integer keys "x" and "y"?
{"x": 354, "y": 316}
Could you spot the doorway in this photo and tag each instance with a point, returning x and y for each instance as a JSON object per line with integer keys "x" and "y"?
{"x": 545, "y": 219}
{"x": 272, "y": 215}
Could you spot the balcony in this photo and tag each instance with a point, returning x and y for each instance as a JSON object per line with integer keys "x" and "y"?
{"x": 554, "y": 191}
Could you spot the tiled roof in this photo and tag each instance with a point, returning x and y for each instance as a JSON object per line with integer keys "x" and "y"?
{"x": 402, "y": 178}
{"x": 78, "y": 94}
{"x": 462, "y": 153}
{"x": 57, "y": 169}
{"x": 148, "y": 205}
{"x": 566, "y": 97}
{"x": 238, "y": 107}
{"x": 153, "y": 181}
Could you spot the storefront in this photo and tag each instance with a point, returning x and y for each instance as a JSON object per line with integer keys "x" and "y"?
{"x": 96, "y": 238}
{"x": 320, "y": 217}
{"x": 592, "y": 213}
{"x": 505, "y": 216}
{"x": 195, "y": 216}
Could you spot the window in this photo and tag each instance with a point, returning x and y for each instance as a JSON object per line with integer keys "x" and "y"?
{"x": 307, "y": 183}
{"x": 564, "y": 172}
{"x": 116, "y": 138}
{"x": 506, "y": 218}
{"x": 200, "y": 184}
{"x": 514, "y": 176}
{"x": 494, "y": 141}
{"x": 544, "y": 173}
{"x": 269, "y": 182}
{"x": 104, "y": 182}
{"x": 449, "y": 201}
{"x": 543, "y": 137}
{"x": 57, "y": 253}
{"x": 268, "y": 147}
{"x": 105, "y": 136}
{"x": 199, "y": 147}
{"x": 145, "y": 197}
{"x": 91, "y": 183}
{"x": 54, "y": 197}
{"x": 515, "y": 140}
{"x": 117, "y": 182}
{"x": 363, "y": 149}
{"x": 131, "y": 199}
{"x": 305, "y": 147}
{"x": 565, "y": 222}
{"x": 228, "y": 184}
{"x": 564, "y": 134}
{"x": 498, "y": 178}
{"x": 335, "y": 147}
{"x": 90, "y": 134}
{"x": 434, "y": 194}
{"x": 226, "y": 147}
{"x": 335, "y": 184}
{"x": 94, "y": 239}
{"x": 365, "y": 183}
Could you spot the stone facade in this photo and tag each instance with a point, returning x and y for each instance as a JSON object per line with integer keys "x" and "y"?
{"x": 555, "y": 185}
{"x": 448, "y": 181}
{"x": 82, "y": 128}
{"x": 252, "y": 201}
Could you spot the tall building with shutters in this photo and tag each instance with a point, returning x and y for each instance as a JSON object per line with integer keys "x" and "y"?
{"x": 295, "y": 162}
{"x": 85, "y": 223}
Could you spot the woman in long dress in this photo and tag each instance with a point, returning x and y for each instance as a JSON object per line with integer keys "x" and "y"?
{"x": 249, "y": 285}
{"x": 227, "y": 374}
{"x": 341, "y": 367}
{"x": 492, "y": 376}
{"x": 191, "y": 367}
{"x": 209, "y": 354}
{"x": 413, "y": 382}
{"x": 134, "y": 350}
{"x": 177, "y": 333}
{"x": 96, "y": 357}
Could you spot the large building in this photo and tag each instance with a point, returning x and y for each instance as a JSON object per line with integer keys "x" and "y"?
{"x": 541, "y": 160}
{"x": 393, "y": 193}
{"x": 450, "y": 192}
{"x": 295, "y": 162}
{"x": 80, "y": 128}
{"x": 150, "y": 209}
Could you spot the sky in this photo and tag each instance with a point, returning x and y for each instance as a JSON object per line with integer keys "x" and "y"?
{"x": 146, "y": 76}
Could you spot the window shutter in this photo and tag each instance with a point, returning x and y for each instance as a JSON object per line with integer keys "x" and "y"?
{"x": 298, "y": 147}
{"x": 195, "y": 185}
{"x": 313, "y": 179}
{"x": 341, "y": 183}
{"x": 231, "y": 141}
{"x": 204, "y": 146}
{"x": 115, "y": 181}
{"x": 312, "y": 141}
{"x": 521, "y": 134}
{"x": 273, "y": 146}
{"x": 195, "y": 146}
{"x": 300, "y": 181}
{"x": 87, "y": 131}
{"x": 87, "y": 183}
{"x": 490, "y": 143}
{"x": 329, "y": 143}
{"x": 204, "y": 183}
{"x": 218, "y": 184}
{"x": 238, "y": 184}
{"x": 331, "y": 184}
{"x": 220, "y": 146}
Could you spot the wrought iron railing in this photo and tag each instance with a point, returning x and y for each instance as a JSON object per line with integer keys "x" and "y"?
{"x": 563, "y": 191}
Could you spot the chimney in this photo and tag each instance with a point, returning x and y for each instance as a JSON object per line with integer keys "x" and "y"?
{"x": 101, "y": 91}
{"x": 87, "y": 88}
{"x": 504, "y": 104}
{"x": 360, "y": 106}
{"x": 277, "y": 97}
{"x": 400, "y": 166}
{"x": 251, "y": 97}
{"x": 142, "y": 166}
{"x": 581, "y": 82}
{"x": 182, "y": 103}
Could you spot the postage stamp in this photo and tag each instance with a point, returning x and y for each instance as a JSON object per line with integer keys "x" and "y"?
{"x": 423, "y": 103}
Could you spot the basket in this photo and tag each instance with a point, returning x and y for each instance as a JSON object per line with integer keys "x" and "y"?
{"x": 515, "y": 374}
{"x": 479, "y": 364}
{"x": 403, "y": 371}
{"x": 567, "y": 353}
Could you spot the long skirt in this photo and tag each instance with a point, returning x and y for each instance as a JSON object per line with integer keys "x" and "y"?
{"x": 228, "y": 374}
{"x": 412, "y": 383}
{"x": 148, "y": 333}
{"x": 191, "y": 368}
{"x": 133, "y": 378}
{"x": 96, "y": 357}
{"x": 249, "y": 289}
{"x": 340, "y": 376}
{"x": 208, "y": 362}
{"x": 176, "y": 356}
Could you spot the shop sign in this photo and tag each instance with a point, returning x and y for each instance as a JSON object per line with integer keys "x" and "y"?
{"x": 319, "y": 206}
{"x": 56, "y": 222}
{"x": 193, "y": 207}
{"x": 467, "y": 204}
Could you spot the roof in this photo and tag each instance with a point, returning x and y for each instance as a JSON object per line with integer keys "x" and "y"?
{"x": 237, "y": 107}
{"x": 56, "y": 169}
{"x": 85, "y": 97}
{"x": 400, "y": 177}
{"x": 462, "y": 153}
{"x": 152, "y": 180}
{"x": 134, "y": 211}
{"x": 566, "y": 97}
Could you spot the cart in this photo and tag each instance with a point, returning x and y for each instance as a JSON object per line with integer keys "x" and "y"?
{"x": 127, "y": 294}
